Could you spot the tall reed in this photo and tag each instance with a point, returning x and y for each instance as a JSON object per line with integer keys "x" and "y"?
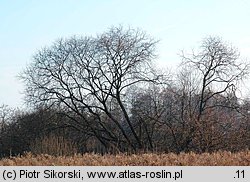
{"x": 53, "y": 145}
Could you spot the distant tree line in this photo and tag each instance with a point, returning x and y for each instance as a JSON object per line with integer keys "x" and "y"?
{"x": 104, "y": 95}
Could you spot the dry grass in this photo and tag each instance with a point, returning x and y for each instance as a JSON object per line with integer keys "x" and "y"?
{"x": 183, "y": 159}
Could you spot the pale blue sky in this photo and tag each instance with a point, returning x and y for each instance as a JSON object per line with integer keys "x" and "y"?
{"x": 28, "y": 25}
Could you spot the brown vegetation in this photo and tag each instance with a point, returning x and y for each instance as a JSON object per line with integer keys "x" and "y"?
{"x": 171, "y": 159}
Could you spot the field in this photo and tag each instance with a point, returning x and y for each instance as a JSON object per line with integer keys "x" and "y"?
{"x": 183, "y": 159}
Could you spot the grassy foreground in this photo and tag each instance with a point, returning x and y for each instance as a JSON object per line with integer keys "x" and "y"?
{"x": 183, "y": 159}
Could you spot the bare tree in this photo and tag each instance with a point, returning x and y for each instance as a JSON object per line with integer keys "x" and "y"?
{"x": 147, "y": 110}
{"x": 6, "y": 114}
{"x": 219, "y": 70}
{"x": 90, "y": 76}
